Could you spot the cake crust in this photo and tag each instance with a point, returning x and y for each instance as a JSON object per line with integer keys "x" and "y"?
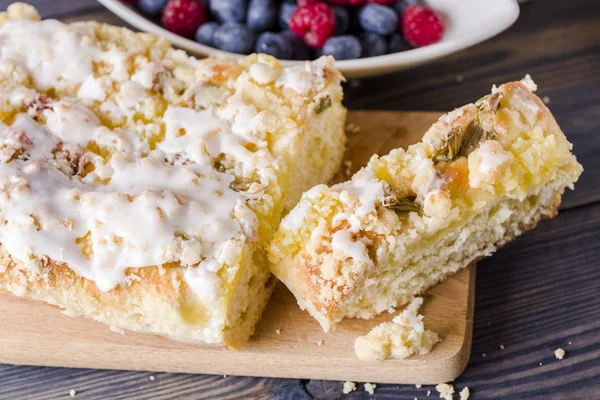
{"x": 140, "y": 186}
{"x": 482, "y": 175}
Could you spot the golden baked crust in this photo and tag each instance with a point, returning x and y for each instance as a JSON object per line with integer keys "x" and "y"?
{"x": 483, "y": 174}
{"x": 117, "y": 150}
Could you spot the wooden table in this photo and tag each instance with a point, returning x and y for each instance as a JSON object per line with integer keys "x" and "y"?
{"x": 535, "y": 295}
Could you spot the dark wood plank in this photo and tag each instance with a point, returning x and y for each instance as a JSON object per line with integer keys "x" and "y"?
{"x": 535, "y": 295}
{"x": 58, "y": 8}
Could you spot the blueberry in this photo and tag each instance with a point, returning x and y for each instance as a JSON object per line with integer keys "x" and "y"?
{"x": 206, "y": 33}
{"x": 234, "y": 37}
{"x": 151, "y": 7}
{"x": 372, "y": 44}
{"x": 402, "y": 5}
{"x": 396, "y": 44}
{"x": 344, "y": 47}
{"x": 342, "y": 20}
{"x": 275, "y": 45}
{"x": 262, "y": 15}
{"x": 301, "y": 51}
{"x": 229, "y": 10}
{"x": 285, "y": 13}
{"x": 378, "y": 19}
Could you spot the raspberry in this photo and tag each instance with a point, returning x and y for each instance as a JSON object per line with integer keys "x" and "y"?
{"x": 183, "y": 17}
{"x": 313, "y": 23}
{"x": 420, "y": 26}
{"x": 347, "y": 2}
{"x": 302, "y": 3}
{"x": 385, "y": 2}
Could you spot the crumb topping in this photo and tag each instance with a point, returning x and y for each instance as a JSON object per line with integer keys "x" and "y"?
{"x": 117, "y": 154}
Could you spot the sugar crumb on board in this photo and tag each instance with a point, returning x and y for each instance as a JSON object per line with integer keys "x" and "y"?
{"x": 370, "y": 387}
{"x": 278, "y": 331}
{"x": 151, "y": 378}
{"x": 349, "y": 386}
{"x": 72, "y": 392}
{"x": 445, "y": 390}
{"x": 559, "y": 353}
{"x": 352, "y": 128}
{"x": 465, "y": 393}
{"x": 320, "y": 342}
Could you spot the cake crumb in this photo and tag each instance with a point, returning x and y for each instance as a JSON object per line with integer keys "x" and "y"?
{"x": 445, "y": 390}
{"x": 501, "y": 347}
{"x": 459, "y": 78}
{"x": 151, "y": 377}
{"x": 116, "y": 330}
{"x": 352, "y": 128}
{"x": 546, "y": 100}
{"x": 72, "y": 392}
{"x": 278, "y": 331}
{"x": 404, "y": 336}
{"x": 370, "y": 387}
{"x": 465, "y": 393}
{"x": 349, "y": 387}
{"x": 320, "y": 342}
{"x": 559, "y": 353}
{"x": 418, "y": 386}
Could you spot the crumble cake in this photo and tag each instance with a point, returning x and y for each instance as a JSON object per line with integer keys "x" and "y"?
{"x": 404, "y": 336}
{"x": 139, "y": 186}
{"x": 482, "y": 175}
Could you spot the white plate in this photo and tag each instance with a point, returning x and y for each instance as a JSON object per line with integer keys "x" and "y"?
{"x": 467, "y": 22}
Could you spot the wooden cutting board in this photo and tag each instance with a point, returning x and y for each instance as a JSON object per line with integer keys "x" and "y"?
{"x": 32, "y": 333}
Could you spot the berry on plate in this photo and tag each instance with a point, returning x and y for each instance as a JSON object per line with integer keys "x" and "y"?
{"x": 229, "y": 10}
{"x": 300, "y": 51}
{"x": 314, "y": 23}
{"x": 235, "y": 38}
{"x": 275, "y": 45}
{"x": 342, "y": 20}
{"x": 345, "y": 47}
{"x": 386, "y": 2}
{"x": 285, "y": 13}
{"x": 378, "y": 19}
{"x": 262, "y": 15}
{"x": 420, "y": 26}
{"x": 396, "y": 43}
{"x": 151, "y": 8}
{"x": 372, "y": 44}
{"x": 206, "y": 33}
{"x": 347, "y": 2}
{"x": 402, "y": 5}
{"x": 183, "y": 17}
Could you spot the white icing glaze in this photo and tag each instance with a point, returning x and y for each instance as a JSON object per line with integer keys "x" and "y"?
{"x": 303, "y": 78}
{"x": 55, "y": 54}
{"x": 369, "y": 191}
{"x": 137, "y": 207}
{"x": 150, "y": 212}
